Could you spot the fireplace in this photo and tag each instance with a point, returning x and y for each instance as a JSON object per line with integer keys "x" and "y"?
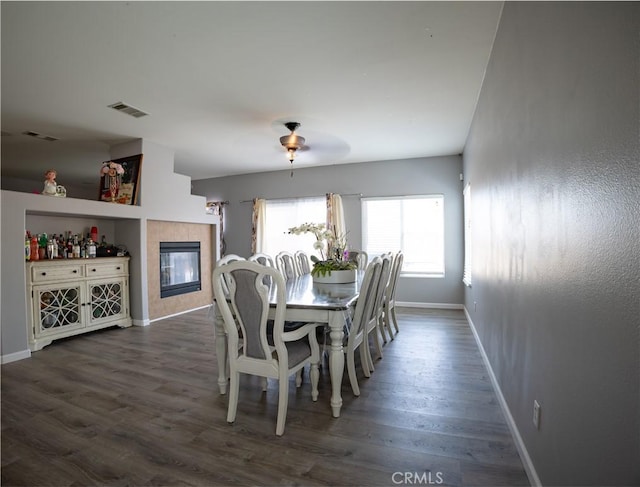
{"x": 179, "y": 268}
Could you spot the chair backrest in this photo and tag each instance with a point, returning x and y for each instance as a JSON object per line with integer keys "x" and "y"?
{"x": 302, "y": 259}
{"x": 393, "y": 279}
{"x": 286, "y": 263}
{"x": 264, "y": 259}
{"x": 366, "y": 300}
{"x": 382, "y": 284}
{"x": 227, "y": 259}
{"x": 359, "y": 257}
{"x": 245, "y": 311}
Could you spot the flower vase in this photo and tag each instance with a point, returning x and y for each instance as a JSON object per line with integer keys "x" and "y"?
{"x": 336, "y": 277}
{"x": 113, "y": 187}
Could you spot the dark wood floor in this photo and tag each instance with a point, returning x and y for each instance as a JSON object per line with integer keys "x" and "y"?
{"x": 140, "y": 406}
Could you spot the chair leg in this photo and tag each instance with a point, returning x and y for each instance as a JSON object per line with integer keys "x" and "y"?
{"x": 387, "y": 324}
{"x": 365, "y": 359}
{"x": 315, "y": 375}
{"x": 383, "y": 332}
{"x": 299, "y": 377}
{"x": 395, "y": 319}
{"x": 283, "y": 402}
{"x": 264, "y": 384}
{"x": 376, "y": 337}
{"x": 233, "y": 397}
{"x": 351, "y": 369}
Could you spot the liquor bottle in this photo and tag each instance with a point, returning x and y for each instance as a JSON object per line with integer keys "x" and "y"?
{"x": 76, "y": 247}
{"x": 42, "y": 244}
{"x": 91, "y": 249}
{"x": 27, "y": 246}
{"x": 94, "y": 234}
{"x": 70, "y": 246}
{"x": 43, "y": 241}
{"x": 34, "y": 248}
{"x": 56, "y": 248}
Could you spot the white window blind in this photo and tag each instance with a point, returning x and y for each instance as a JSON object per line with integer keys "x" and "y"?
{"x": 286, "y": 213}
{"x": 466, "y": 278}
{"x": 413, "y": 224}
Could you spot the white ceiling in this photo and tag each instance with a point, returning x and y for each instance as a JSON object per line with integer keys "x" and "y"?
{"x": 367, "y": 81}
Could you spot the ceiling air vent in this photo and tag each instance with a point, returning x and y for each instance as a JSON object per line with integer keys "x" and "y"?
{"x": 128, "y": 109}
{"x": 40, "y": 136}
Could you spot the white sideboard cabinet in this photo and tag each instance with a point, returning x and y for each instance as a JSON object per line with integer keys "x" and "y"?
{"x": 72, "y": 296}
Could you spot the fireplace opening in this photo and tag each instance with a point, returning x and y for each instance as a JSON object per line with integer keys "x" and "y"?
{"x": 179, "y": 268}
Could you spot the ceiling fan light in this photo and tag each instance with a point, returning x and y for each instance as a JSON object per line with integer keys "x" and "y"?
{"x": 291, "y": 142}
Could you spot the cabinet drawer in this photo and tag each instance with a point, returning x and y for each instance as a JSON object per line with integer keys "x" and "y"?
{"x": 106, "y": 269}
{"x": 41, "y": 274}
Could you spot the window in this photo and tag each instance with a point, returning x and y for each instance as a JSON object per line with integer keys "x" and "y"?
{"x": 286, "y": 213}
{"x": 413, "y": 224}
{"x": 466, "y": 277}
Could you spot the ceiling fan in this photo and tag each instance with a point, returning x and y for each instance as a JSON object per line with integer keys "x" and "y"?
{"x": 292, "y": 142}
{"x": 326, "y": 147}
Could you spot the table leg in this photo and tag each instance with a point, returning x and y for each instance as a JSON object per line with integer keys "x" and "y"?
{"x": 221, "y": 350}
{"x": 336, "y": 360}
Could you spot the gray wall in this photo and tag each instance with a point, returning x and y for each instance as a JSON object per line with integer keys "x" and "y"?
{"x": 553, "y": 160}
{"x": 387, "y": 178}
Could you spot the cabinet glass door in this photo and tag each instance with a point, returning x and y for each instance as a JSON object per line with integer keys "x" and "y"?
{"x": 106, "y": 299}
{"x": 57, "y": 309}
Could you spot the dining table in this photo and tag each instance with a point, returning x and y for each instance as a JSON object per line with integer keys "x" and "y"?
{"x": 308, "y": 301}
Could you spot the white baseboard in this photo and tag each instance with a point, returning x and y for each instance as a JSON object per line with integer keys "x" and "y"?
{"x": 140, "y": 322}
{"x": 410, "y": 304}
{"x": 178, "y": 314}
{"x": 529, "y": 468}
{"x": 14, "y": 357}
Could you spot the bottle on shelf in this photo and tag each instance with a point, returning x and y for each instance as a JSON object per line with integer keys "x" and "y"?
{"x": 42, "y": 246}
{"x": 76, "y": 247}
{"x": 70, "y": 245}
{"x": 33, "y": 255}
{"x": 91, "y": 249}
{"x": 56, "y": 248}
{"x": 27, "y": 246}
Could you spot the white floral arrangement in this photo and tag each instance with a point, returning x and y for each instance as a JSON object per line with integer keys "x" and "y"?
{"x": 332, "y": 248}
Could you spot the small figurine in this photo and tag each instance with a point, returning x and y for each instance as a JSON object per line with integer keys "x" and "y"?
{"x": 51, "y": 188}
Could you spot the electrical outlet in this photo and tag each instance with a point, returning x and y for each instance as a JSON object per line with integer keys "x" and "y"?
{"x": 536, "y": 414}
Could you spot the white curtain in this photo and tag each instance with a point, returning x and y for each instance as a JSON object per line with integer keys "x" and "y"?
{"x": 259, "y": 221}
{"x": 335, "y": 214}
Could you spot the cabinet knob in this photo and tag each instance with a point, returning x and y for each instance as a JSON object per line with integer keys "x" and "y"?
{"x": 93, "y": 270}
{"x": 118, "y": 268}
{"x": 44, "y": 273}
{"x": 75, "y": 271}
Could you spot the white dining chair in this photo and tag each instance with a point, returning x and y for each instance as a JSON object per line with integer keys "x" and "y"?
{"x": 286, "y": 264}
{"x": 262, "y": 258}
{"x": 359, "y": 257}
{"x": 254, "y": 347}
{"x": 390, "y": 317}
{"x": 302, "y": 259}
{"x": 227, "y": 259}
{"x": 374, "y": 325}
{"x": 363, "y": 314}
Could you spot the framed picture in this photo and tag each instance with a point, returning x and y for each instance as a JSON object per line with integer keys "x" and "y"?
{"x": 120, "y": 180}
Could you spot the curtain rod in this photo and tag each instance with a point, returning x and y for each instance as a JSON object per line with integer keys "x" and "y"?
{"x": 298, "y": 197}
